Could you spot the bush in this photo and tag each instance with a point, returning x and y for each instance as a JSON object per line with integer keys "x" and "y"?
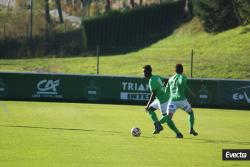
{"x": 217, "y": 15}
{"x": 243, "y": 9}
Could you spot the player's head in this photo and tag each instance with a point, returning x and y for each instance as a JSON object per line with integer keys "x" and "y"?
{"x": 147, "y": 70}
{"x": 179, "y": 68}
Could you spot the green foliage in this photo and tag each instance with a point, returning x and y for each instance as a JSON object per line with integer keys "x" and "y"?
{"x": 243, "y": 8}
{"x": 133, "y": 27}
{"x": 217, "y": 15}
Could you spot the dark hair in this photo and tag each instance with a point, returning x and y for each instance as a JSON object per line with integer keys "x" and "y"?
{"x": 147, "y": 68}
{"x": 179, "y": 68}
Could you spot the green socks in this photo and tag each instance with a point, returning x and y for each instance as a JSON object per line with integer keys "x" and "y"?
{"x": 163, "y": 119}
{"x": 169, "y": 121}
{"x": 171, "y": 125}
{"x": 166, "y": 119}
{"x": 191, "y": 119}
{"x": 153, "y": 116}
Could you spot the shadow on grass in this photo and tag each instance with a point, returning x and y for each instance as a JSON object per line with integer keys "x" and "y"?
{"x": 140, "y": 41}
{"x": 245, "y": 30}
{"x": 48, "y": 128}
{"x": 219, "y": 141}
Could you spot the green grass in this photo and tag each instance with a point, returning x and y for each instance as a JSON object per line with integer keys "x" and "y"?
{"x": 74, "y": 134}
{"x": 222, "y": 55}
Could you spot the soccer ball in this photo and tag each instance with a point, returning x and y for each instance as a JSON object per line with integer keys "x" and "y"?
{"x": 136, "y": 132}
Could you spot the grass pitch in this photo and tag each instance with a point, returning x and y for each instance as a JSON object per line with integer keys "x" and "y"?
{"x": 73, "y": 134}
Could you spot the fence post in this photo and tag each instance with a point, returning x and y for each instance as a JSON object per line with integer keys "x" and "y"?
{"x": 27, "y": 32}
{"x": 4, "y": 32}
{"x": 97, "y": 63}
{"x": 192, "y": 59}
{"x": 31, "y": 21}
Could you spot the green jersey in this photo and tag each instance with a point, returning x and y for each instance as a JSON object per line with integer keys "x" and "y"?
{"x": 155, "y": 84}
{"x": 177, "y": 85}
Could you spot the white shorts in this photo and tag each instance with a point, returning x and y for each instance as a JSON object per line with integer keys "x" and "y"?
{"x": 174, "y": 105}
{"x": 162, "y": 107}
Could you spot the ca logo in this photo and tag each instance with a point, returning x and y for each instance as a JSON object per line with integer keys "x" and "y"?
{"x": 48, "y": 85}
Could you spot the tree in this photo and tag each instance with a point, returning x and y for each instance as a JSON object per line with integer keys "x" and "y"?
{"x": 31, "y": 21}
{"x": 189, "y": 8}
{"x": 47, "y": 15}
{"x": 217, "y": 15}
{"x": 59, "y": 8}
{"x": 235, "y": 10}
{"x": 107, "y": 5}
{"x": 89, "y": 5}
{"x": 82, "y": 1}
{"x": 243, "y": 10}
{"x": 140, "y": 2}
{"x": 132, "y": 3}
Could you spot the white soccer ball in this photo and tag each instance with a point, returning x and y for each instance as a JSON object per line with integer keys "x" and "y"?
{"x": 136, "y": 132}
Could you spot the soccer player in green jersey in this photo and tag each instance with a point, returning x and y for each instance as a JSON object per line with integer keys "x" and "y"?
{"x": 177, "y": 85}
{"x": 158, "y": 100}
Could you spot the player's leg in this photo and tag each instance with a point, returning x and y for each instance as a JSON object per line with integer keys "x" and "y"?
{"x": 185, "y": 105}
{"x": 151, "y": 111}
{"x": 163, "y": 110}
{"x": 165, "y": 117}
{"x": 169, "y": 115}
{"x": 191, "y": 119}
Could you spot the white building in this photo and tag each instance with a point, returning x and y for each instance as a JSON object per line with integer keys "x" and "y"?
{"x": 6, "y": 3}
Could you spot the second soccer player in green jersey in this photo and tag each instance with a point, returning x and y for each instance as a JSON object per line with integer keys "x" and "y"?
{"x": 177, "y": 85}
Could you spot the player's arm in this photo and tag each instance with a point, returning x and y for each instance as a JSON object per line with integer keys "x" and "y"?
{"x": 167, "y": 88}
{"x": 165, "y": 82}
{"x": 151, "y": 99}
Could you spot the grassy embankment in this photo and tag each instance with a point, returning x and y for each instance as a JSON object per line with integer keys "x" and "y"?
{"x": 222, "y": 55}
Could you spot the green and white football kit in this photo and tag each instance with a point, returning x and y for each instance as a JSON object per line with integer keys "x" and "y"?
{"x": 177, "y": 85}
{"x": 161, "y": 101}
